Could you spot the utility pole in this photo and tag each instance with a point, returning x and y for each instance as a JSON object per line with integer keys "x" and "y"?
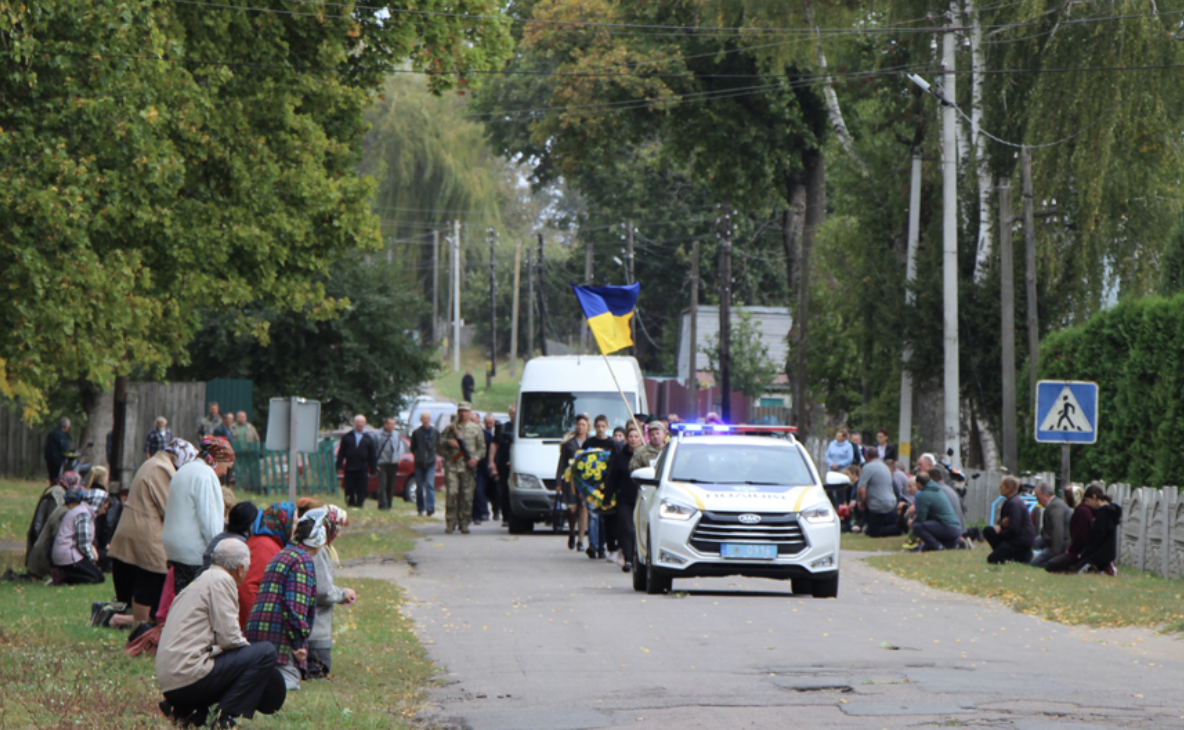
{"x": 456, "y": 296}
{"x": 1030, "y": 274}
{"x": 725, "y": 314}
{"x": 1007, "y": 295}
{"x": 492, "y": 369}
{"x": 435, "y": 286}
{"x": 949, "y": 253}
{"x": 529, "y": 307}
{"x": 587, "y": 282}
{"x": 629, "y": 278}
{"x": 118, "y": 432}
{"x": 514, "y": 309}
{"x": 905, "y": 427}
{"x": 693, "y": 370}
{"x": 542, "y": 303}
{"x": 447, "y": 328}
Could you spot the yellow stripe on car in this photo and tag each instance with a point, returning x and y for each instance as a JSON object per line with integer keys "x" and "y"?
{"x": 692, "y": 492}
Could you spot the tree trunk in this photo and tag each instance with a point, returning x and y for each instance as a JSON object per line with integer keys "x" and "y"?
{"x": 978, "y": 63}
{"x": 833, "y": 110}
{"x": 815, "y": 211}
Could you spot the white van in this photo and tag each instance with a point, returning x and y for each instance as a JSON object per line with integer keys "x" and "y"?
{"x": 553, "y": 391}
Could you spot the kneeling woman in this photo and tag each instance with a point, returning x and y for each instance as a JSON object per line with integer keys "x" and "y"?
{"x": 329, "y": 594}
{"x": 285, "y": 607}
{"x": 74, "y": 555}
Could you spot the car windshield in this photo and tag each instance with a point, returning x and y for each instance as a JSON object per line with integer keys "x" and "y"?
{"x": 740, "y": 465}
{"x": 551, "y": 415}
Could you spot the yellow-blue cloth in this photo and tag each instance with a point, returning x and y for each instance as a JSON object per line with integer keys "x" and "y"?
{"x": 608, "y": 310}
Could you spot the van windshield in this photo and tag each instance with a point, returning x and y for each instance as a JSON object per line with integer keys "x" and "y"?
{"x": 551, "y": 415}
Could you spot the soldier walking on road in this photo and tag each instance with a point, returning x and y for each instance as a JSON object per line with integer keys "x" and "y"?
{"x": 462, "y": 445}
{"x": 648, "y": 454}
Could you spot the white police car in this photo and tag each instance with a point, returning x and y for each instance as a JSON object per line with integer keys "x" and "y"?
{"x": 735, "y": 500}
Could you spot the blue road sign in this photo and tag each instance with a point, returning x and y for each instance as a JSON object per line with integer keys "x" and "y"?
{"x": 1066, "y": 412}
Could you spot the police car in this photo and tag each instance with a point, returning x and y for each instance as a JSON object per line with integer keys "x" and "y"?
{"x": 735, "y": 500}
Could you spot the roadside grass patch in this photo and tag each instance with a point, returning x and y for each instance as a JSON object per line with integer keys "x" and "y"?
{"x": 497, "y": 397}
{"x": 18, "y": 499}
{"x": 863, "y": 543}
{"x": 1131, "y": 599}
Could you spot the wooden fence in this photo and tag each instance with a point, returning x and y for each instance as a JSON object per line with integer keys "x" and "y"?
{"x": 263, "y": 471}
{"x": 22, "y": 449}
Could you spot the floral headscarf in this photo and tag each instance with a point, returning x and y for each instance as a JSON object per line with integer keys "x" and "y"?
{"x": 334, "y": 521}
{"x": 73, "y": 495}
{"x": 275, "y": 521}
{"x": 181, "y": 452}
{"x": 319, "y": 537}
{"x": 215, "y": 449}
{"x": 69, "y": 480}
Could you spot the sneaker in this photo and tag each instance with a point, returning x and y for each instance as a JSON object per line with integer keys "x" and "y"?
{"x": 579, "y": 545}
{"x": 96, "y": 608}
{"x": 964, "y": 543}
{"x": 591, "y": 553}
{"x": 571, "y": 542}
{"x": 912, "y": 544}
{"x": 1111, "y": 571}
{"x": 917, "y": 549}
{"x": 626, "y": 568}
{"x": 619, "y": 559}
{"x": 431, "y": 512}
{"x": 601, "y": 554}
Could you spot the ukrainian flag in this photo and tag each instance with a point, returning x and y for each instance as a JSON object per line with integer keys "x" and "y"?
{"x": 608, "y": 310}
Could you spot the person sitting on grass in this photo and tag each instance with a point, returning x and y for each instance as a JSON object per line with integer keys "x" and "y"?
{"x": 75, "y": 559}
{"x": 1054, "y": 530}
{"x": 285, "y": 607}
{"x": 1101, "y": 547}
{"x": 203, "y": 658}
{"x": 1080, "y": 523}
{"x": 934, "y": 522}
{"x": 1012, "y": 537}
{"x": 320, "y": 641}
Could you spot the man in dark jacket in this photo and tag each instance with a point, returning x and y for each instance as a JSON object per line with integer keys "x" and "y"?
{"x": 467, "y": 384}
{"x": 499, "y": 458}
{"x": 56, "y": 446}
{"x": 619, "y": 482}
{"x": 1012, "y": 538}
{"x": 1054, "y": 530}
{"x": 358, "y": 456}
{"x": 424, "y": 441}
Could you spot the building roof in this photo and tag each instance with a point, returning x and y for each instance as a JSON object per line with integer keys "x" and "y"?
{"x": 773, "y": 323}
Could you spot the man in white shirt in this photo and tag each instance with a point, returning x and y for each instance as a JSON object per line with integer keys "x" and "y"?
{"x": 390, "y": 448}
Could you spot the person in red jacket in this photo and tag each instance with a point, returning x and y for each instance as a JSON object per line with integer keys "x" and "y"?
{"x": 269, "y": 534}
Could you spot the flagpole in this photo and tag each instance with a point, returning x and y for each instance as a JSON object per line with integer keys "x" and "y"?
{"x": 625, "y": 400}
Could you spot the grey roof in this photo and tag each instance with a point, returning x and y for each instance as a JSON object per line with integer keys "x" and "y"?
{"x": 772, "y": 322}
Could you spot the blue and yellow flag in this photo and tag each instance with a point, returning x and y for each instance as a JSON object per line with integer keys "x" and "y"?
{"x": 608, "y": 310}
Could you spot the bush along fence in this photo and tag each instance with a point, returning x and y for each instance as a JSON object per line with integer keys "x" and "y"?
{"x": 262, "y": 471}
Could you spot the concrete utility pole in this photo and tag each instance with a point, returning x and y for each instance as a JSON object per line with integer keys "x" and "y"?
{"x": 587, "y": 282}
{"x": 542, "y": 303}
{"x": 692, "y": 370}
{"x": 905, "y": 427}
{"x": 725, "y": 314}
{"x": 1007, "y": 296}
{"x": 514, "y": 309}
{"x": 529, "y": 307}
{"x": 456, "y": 296}
{"x": 1030, "y": 274}
{"x": 629, "y": 278}
{"x": 492, "y": 369}
{"x": 447, "y": 326}
{"x": 949, "y": 253}
{"x": 435, "y": 287}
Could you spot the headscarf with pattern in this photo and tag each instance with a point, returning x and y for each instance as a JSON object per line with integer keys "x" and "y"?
{"x": 276, "y": 521}
{"x": 181, "y": 452}
{"x": 215, "y": 449}
{"x": 69, "y": 480}
{"x": 94, "y": 497}
{"x": 319, "y": 537}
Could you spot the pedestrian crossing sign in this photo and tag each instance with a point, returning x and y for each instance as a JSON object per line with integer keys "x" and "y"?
{"x": 1066, "y": 412}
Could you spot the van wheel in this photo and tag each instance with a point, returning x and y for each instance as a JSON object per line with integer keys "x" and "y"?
{"x": 520, "y": 525}
{"x": 828, "y": 588}
{"x": 655, "y": 584}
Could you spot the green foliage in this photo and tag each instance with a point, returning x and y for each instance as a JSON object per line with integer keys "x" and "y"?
{"x": 752, "y": 368}
{"x": 1172, "y": 265}
{"x": 160, "y": 159}
{"x": 364, "y": 361}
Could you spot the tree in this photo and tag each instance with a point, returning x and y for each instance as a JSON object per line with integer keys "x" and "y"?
{"x": 365, "y": 361}
{"x": 752, "y": 368}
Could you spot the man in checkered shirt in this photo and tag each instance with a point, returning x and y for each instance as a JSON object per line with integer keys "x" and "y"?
{"x": 158, "y": 438}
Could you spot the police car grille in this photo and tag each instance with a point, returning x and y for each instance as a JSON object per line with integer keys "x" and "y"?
{"x": 716, "y": 528}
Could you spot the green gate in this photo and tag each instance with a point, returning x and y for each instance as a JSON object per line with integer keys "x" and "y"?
{"x": 263, "y": 471}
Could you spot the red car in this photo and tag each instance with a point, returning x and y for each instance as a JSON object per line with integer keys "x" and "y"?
{"x": 406, "y": 466}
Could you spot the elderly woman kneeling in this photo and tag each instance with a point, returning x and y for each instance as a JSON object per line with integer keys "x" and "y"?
{"x": 203, "y": 658}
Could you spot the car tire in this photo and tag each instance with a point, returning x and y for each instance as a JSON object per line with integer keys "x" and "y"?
{"x": 828, "y": 588}
{"x": 655, "y": 584}
{"x": 639, "y": 575}
{"x": 520, "y": 525}
{"x": 409, "y": 489}
{"x": 802, "y": 586}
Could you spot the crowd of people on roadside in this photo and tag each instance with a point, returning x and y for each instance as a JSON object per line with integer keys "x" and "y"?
{"x": 1077, "y": 533}
{"x": 236, "y": 603}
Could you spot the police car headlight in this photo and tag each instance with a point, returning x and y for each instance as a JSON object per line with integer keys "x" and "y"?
{"x": 526, "y": 481}
{"x": 668, "y": 509}
{"x": 819, "y": 515}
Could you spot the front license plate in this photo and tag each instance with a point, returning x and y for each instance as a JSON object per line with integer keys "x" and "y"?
{"x": 750, "y": 552}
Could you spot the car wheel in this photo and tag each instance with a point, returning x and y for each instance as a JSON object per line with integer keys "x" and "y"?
{"x": 802, "y": 586}
{"x": 828, "y": 588}
{"x": 410, "y": 489}
{"x": 655, "y": 584}
{"x": 639, "y": 575}
{"x": 520, "y": 525}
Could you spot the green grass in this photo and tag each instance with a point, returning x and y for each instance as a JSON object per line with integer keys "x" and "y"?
{"x": 18, "y": 499}
{"x": 1131, "y": 599}
{"x": 497, "y": 397}
{"x": 863, "y": 543}
{"x": 58, "y": 673}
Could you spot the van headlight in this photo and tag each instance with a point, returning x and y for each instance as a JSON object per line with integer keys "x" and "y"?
{"x": 819, "y": 515}
{"x": 527, "y": 481}
{"x": 668, "y": 509}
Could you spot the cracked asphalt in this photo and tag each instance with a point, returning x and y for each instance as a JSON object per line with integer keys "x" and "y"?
{"x": 528, "y": 634}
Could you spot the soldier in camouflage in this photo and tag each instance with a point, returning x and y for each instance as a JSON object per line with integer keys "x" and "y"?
{"x": 462, "y": 446}
{"x": 648, "y": 453}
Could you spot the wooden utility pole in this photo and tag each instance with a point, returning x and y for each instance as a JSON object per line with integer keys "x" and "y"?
{"x": 905, "y": 425}
{"x": 1007, "y": 297}
{"x": 492, "y": 369}
{"x": 587, "y": 282}
{"x": 629, "y": 279}
{"x": 1030, "y": 275}
{"x": 456, "y": 296}
{"x": 725, "y": 314}
{"x": 514, "y": 309}
{"x": 435, "y": 286}
{"x": 118, "y": 431}
{"x": 692, "y": 369}
{"x": 530, "y": 304}
{"x": 542, "y": 302}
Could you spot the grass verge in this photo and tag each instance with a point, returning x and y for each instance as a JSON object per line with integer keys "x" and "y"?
{"x": 1131, "y": 599}
{"x": 863, "y": 543}
{"x": 497, "y": 397}
{"x": 18, "y": 499}
{"x": 58, "y": 673}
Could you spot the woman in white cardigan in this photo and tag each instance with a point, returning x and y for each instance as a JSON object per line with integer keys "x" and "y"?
{"x": 329, "y": 594}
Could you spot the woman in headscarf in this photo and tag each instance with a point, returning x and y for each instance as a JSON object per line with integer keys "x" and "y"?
{"x": 138, "y": 562}
{"x": 74, "y": 555}
{"x": 269, "y": 534}
{"x": 320, "y": 641}
{"x": 285, "y": 607}
{"x": 51, "y": 500}
{"x": 196, "y": 512}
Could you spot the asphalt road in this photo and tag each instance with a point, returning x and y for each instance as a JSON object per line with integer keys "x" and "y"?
{"x": 528, "y": 634}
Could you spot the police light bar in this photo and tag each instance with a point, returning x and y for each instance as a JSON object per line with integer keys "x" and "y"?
{"x": 707, "y": 429}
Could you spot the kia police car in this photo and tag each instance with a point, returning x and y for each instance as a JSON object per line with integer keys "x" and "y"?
{"x": 735, "y": 500}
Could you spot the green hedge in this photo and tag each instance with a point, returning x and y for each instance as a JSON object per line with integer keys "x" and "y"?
{"x": 1135, "y": 353}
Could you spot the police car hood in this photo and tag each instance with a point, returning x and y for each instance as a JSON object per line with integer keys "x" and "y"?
{"x": 747, "y": 497}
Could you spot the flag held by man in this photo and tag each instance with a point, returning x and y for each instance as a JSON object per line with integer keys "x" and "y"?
{"x": 609, "y": 310}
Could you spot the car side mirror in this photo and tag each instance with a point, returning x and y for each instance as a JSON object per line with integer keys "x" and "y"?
{"x": 837, "y": 479}
{"x": 645, "y": 476}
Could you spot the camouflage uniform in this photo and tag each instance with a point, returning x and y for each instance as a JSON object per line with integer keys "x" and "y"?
{"x": 459, "y": 481}
{"x": 643, "y": 457}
